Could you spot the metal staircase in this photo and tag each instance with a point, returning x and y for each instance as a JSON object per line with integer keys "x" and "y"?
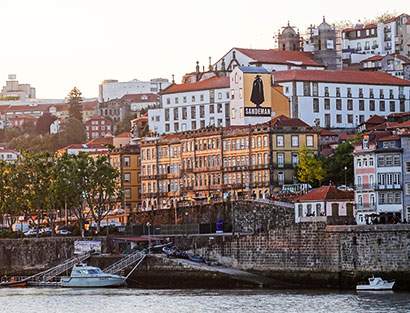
{"x": 48, "y": 277}
{"x": 125, "y": 262}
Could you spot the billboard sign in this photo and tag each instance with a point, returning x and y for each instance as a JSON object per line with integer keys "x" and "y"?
{"x": 81, "y": 247}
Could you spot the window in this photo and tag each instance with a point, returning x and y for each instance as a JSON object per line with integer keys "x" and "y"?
{"x": 280, "y": 159}
{"x": 361, "y": 105}
{"x": 193, "y": 125}
{"x": 241, "y": 112}
{"x": 193, "y": 112}
{"x": 201, "y": 97}
{"x": 295, "y": 159}
{"x": 193, "y": 98}
{"x": 265, "y": 141}
{"x": 407, "y": 167}
{"x": 279, "y": 141}
{"x": 360, "y": 92}
{"x": 407, "y": 189}
{"x": 127, "y": 193}
{"x": 382, "y": 106}
{"x": 168, "y": 100}
{"x": 176, "y": 100}
{"x": 184, "y": 113}
{"x": 127, "y": 161}
{"x": 316, "y": 105}
{"x": 240, "y": 93}
{"x": 219, "y": 107}
{"x": 202, "y": 111}
{"x": 232, "y": 94}
{"x": 127, "y": 177}
{"x": 392, "y": 106}
{"x": 338, "y": 104}
{"x": 326, "y": 91}
{"x": 350, "y": 118}
{"x": 167, "y": 114}
{"x": 176, "y": 128}
{"x": 327, "y": 104}
{"x": 337, "y": 91}
{"x": 295, "y": 141}
{"x": 233, "y": 113}
{"x": 349, "y": 92}
{"x": 184, "y": 99}
{"x": 176, "y": 113}
{"x": 315, "y": 89}
{"x": 372, "y": 106}
{"x": 309, "y": 141}
{"x": 306, "y": 88}
{"x": 350, "y": 105}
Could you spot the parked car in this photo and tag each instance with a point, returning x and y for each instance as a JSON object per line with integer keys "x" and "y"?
{"x": 63, "y": 232}
{"x": 30, "y": 232}
{"x": 46, "y": 230}
{"x": 343, "y": 187}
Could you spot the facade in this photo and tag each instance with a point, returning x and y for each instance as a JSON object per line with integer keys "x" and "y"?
{"x": 393, "y": 64}
{"x": 216, "y": 162}
{"x": 326, "y": 204}
{"x": 192, "y": 106}
{"x": 127, "y": 160}
{"x": 113, "y": 89}
{"x": 387, "y": 37}
{"x": 378, "y": 177}
{"x": 342, "y": 99}
{"x": 271, "y": 60}
{"x": 405, "y": 144}
{"x": 98, "y": 126}
{"x": 8, "y": 155}
{"x": 14, "y": 90}
{"x": 254, "y": 100}
{"x": 89, "y": 109}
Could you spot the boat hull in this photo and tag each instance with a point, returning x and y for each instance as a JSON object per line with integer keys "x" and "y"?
{"x": 385, "y": 286}
{"x": 92, "y": 282}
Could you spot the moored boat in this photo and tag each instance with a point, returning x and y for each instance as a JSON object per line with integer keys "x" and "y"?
{"x": 84, "y": 276}
{"x": 376, "y": 283}
{"x": 14, "y": 283}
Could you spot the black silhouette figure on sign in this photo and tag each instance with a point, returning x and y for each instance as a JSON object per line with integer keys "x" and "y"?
{"x": 257, "y": 95}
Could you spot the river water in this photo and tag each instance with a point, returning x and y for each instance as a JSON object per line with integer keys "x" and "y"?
{"x": 42, "y": 300}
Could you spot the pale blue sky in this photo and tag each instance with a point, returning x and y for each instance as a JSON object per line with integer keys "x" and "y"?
{"x": 57, "y": 44}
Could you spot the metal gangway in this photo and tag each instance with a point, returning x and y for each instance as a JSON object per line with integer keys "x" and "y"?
{"x": 117, "y": 267}
{"x": 49, "y": 277}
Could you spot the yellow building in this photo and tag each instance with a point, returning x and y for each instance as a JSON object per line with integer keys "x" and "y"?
{"x": 128, "y": 161}
{"x": 212, "y": 163}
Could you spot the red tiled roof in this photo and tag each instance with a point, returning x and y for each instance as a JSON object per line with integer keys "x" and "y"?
{"x": 3, "y": 108}
{"x": 358, "y": 28}
{"x": 280, "y": 57}
{"x": 389, "y": 138}
{"x": 383, "y": 126}
{"x": 19, "y": 108}
{"x": 211, "y": 83}
{"x": 326, "y": 132}
{"x": 101, "y": 141}
{"x": 376, "y": 119}
{"x": 123, "y": 135}
{"x": 282, "y": 121}
{"x": 373, "y": 78}
{"x": 398, "y": 114}
{"x": 405, "y": 124}
{"x": 151, "y": 97}
{"x": 346, "y": 137}
{"x": 373, "y": 58}
{"x": 326, "y": 193}
{"x": 89, "y": 105}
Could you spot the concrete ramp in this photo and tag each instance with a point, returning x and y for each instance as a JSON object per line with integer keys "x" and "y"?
{"x": 239, "y": 275}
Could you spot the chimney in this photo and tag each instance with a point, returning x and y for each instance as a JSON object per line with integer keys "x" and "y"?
{"x": 210, "y": 65}
{"x": 173, "y": 78}
{"x": 197, "y": 70}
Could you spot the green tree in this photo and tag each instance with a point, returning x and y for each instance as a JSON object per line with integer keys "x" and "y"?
{"x": 335, "y": 165}
{"x": 72, "y": 131}
{"x": 383, "y": 16}
{"x": 309, "y": 169}
{"x": 103, "y": 190}
{"x": 74, "y": 101}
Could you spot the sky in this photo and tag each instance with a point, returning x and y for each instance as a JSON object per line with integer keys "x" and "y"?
{"x": 55, "y": 45}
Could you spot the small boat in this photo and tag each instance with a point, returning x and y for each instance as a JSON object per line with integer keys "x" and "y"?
{"x": 14, "y": 283}
{"x": 195, "y": 258}
{"x": 84, "y": 276}
{"x": 376, "y": 283}
{"x": 168, "y": 251}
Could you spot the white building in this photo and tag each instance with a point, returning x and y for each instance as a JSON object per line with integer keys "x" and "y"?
{"x": 18, "y": 91}
{"x": 386, "y": 37}
{"x": 113, "y": 89}
{"x": 192, "y": 106}
{"x": 342, "y": 99}
{"x": 8, "y": 155}
{"x": 271, "y": 60}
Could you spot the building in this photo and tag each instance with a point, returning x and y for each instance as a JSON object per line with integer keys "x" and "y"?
{"x": 113, "y": 89}
{"x": 324, "y": 43}
{"x": 122, "y": 140}
{"x": 271, "y": 60}
{"x": 127, "y": 160}
{"x": 217, "y": 162}
{"x": 405, "y": 144}
{"x": 15, "y": 91}
{"x": 393, "y": 64}
{"x": 8, "y": 155}
{"x": 325, "y": 204}
{"x": 142, "y": 101}
{"x": 342, "y": 99}
{"x": 289, "y": 40}
{"x": 387, "y": 37}
{"x": 89, "y": 109}
{"x": 98, "y": 126}
{"x": 82, "y": 147}
{"x": 19, "y": 120}
{"x": 378, "y": 177}
{"x": 191, "y": 106}
{"x": 254, "y": 99}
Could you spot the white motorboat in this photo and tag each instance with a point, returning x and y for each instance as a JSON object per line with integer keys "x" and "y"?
{"x": 376, "y": 283}
{"x": 84, "y": 276}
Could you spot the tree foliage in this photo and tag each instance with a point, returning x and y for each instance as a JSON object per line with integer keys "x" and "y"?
{"x": 335, "y": 165}
{"x": 74, "y": 101}
{"x": 44, "y": 122}
{"x": 309, "y": 169}
{"x": 72, "y": 131}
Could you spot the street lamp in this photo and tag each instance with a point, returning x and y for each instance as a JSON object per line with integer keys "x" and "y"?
{"x": 21, "y": 219}
{"x": 149, "y": 237}
{"x": 345, "y": 178}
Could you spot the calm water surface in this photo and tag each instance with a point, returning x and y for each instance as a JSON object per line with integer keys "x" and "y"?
{"x": 41, "y": 300}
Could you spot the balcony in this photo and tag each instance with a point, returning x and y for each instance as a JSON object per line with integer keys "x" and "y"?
{"x": 259, "y": 166}
{"x": 388, "y": 187}
{"x": 387, "y": 30}
{"x": 387, "y": 47}
{"x": 146, "y": 177}
{"x": 259, "y": 184}
{"x": 402, "y": 97}
{"x": 365, "y": 206}
{"x": 161, "y": 176}
{"x": 365, "y": 186}
{"x": 236, "y": 168}
{"x": 375, "y": 46}
{"x": 187, "y": 170}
